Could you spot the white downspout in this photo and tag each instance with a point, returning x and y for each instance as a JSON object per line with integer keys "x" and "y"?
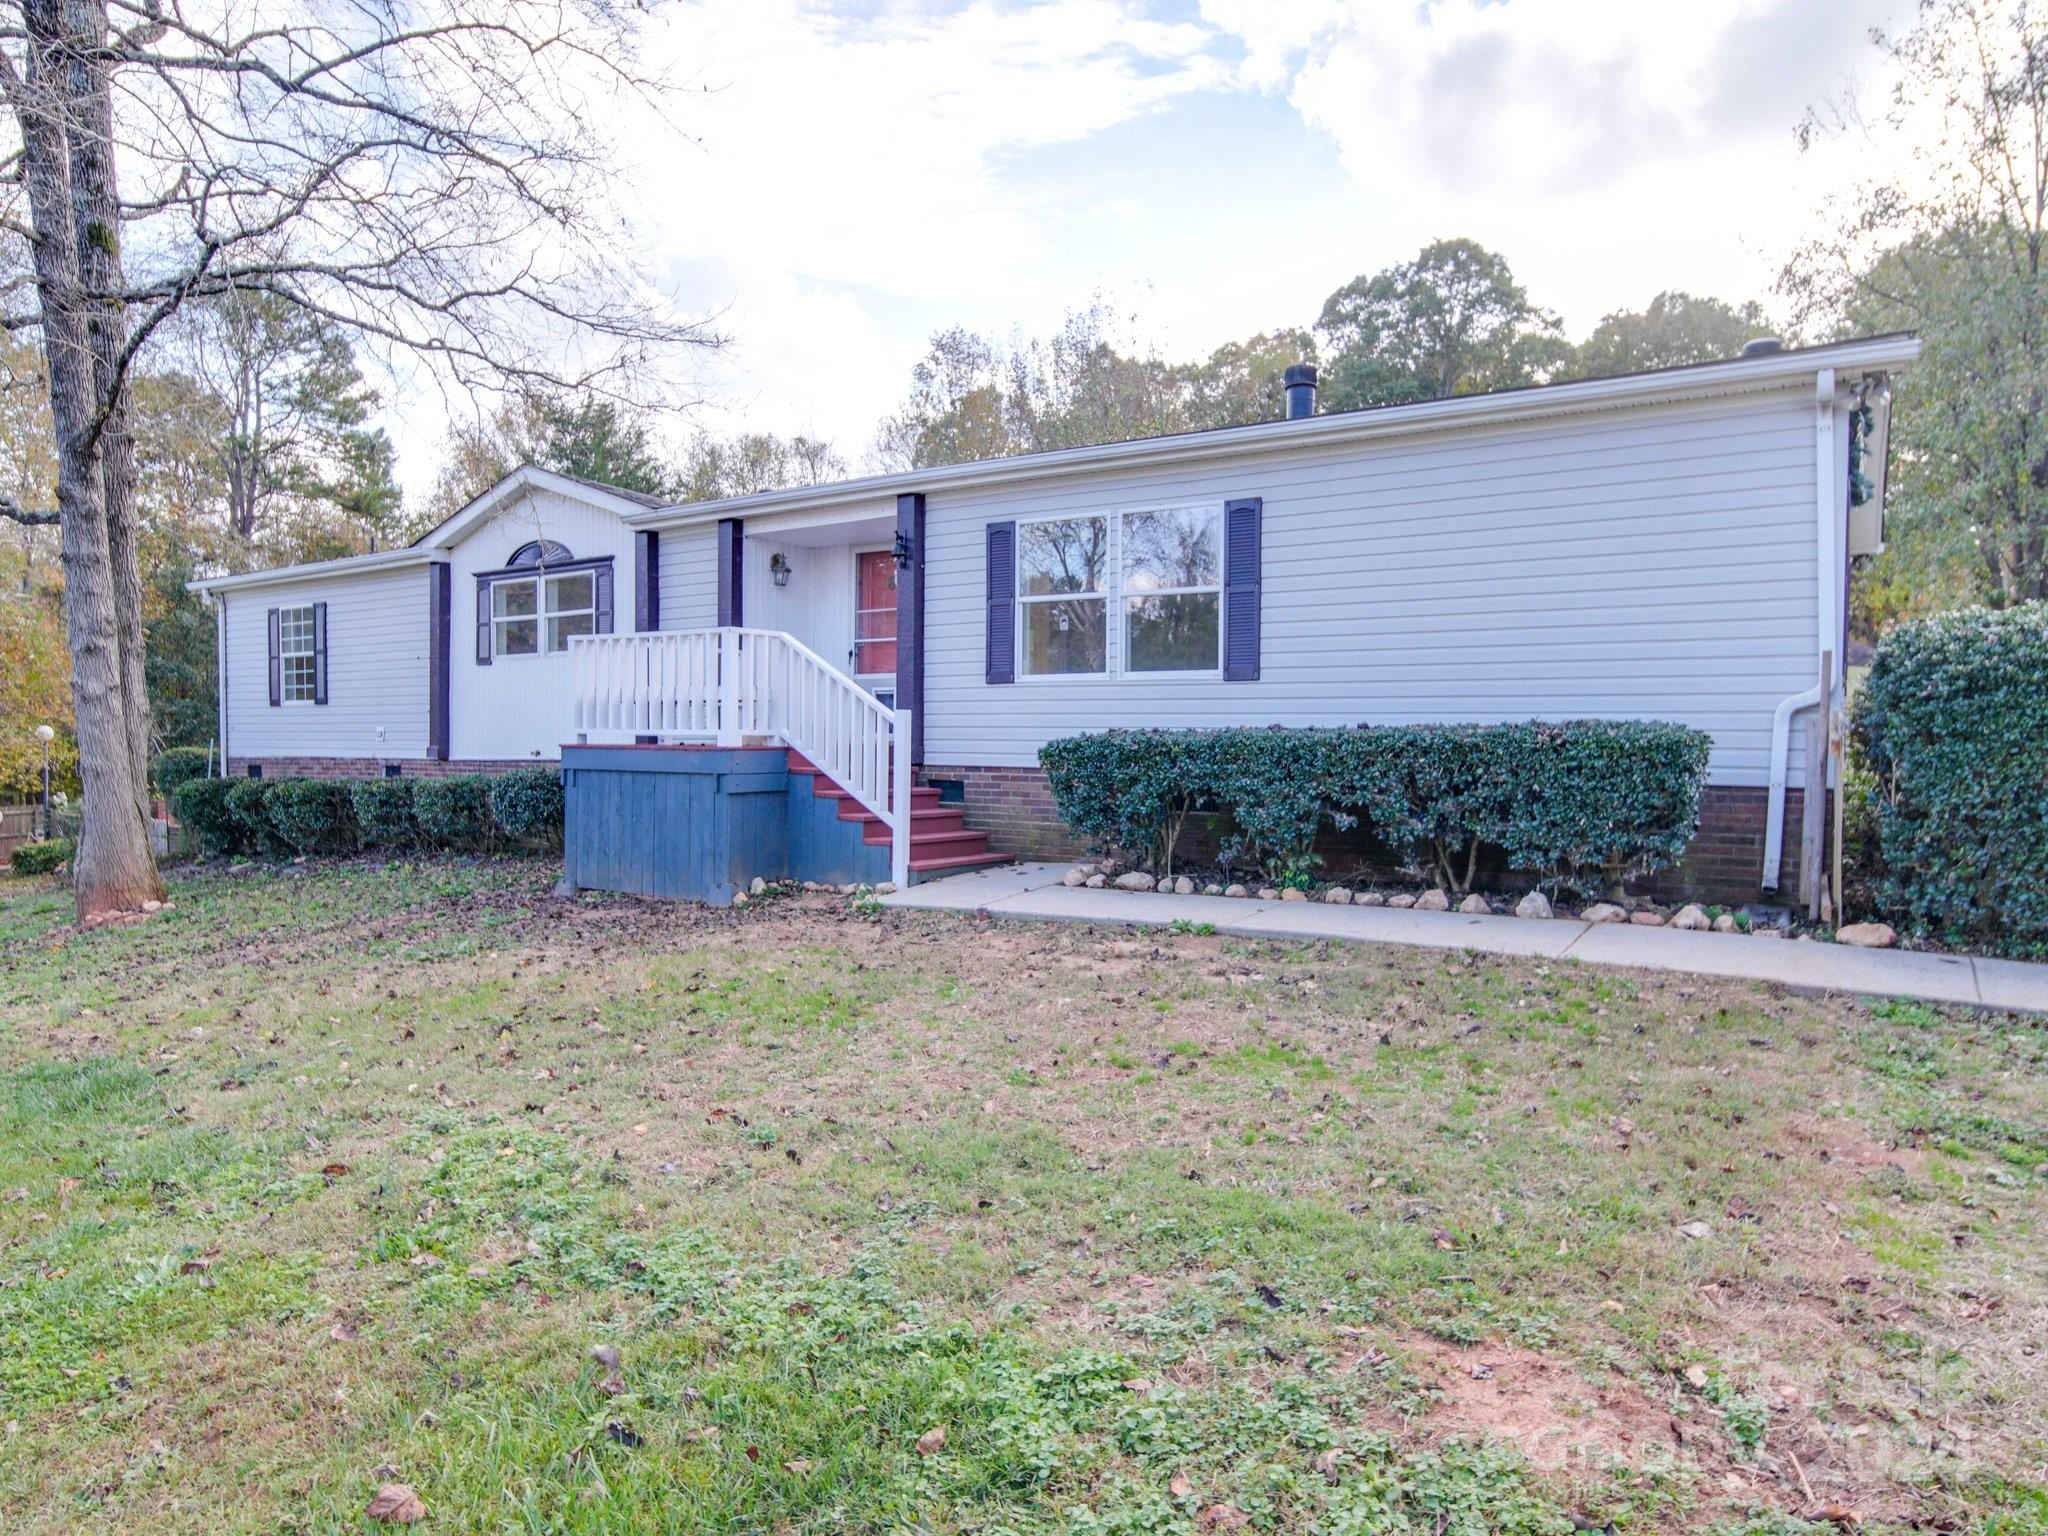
{"x": 1826, "y": 559}
{"x": 220, "y": 674}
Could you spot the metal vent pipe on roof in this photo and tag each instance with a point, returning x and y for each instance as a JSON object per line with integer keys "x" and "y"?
{"x": 1301, "y": 390}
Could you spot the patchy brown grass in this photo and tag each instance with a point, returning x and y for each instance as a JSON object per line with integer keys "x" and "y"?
{"x": 1457, "y": 1188}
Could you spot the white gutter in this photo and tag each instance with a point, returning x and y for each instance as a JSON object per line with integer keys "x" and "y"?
{"x": 220, "y": 672}
{"x": 1738, "y": 375}
{"x": 347, "y": 565}
{"x": 1827, "y": 558}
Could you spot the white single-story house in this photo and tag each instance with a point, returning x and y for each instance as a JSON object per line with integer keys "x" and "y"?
{"x": 1668, "y": 545}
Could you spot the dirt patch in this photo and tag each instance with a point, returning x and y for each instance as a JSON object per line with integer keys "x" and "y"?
{"x": 1556, "y": 1415}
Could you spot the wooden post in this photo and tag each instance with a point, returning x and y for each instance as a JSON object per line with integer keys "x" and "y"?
{"x": 1813, "y": 812}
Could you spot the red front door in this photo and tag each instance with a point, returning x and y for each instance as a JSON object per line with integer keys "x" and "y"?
{"x": 874, "y": 613}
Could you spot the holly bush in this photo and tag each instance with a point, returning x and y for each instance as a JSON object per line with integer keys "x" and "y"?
{"x": 1953, "y": 724}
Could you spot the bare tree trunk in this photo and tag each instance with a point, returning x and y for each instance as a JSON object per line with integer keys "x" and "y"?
{"x": 96, "y": 218}
{"x": 113, "y": 869}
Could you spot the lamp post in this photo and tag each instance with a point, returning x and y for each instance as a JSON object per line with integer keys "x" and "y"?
{"x": 46, "y": 735}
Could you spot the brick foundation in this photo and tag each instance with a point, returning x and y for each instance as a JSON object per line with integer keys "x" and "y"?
{"x": 1014, "y": 807}
{"x": 373, "y": 767}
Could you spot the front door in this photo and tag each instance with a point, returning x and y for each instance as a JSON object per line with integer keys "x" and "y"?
{"x": 874, "y": 620}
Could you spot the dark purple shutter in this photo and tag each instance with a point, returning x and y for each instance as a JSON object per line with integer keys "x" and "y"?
{"x": 276, "y": 664}
{"x": 1241, "y": 553}
{"x": 440, "y": 589}
{"x": 483, "y": 623}
{"x": 604, "y": 598}
{"x": 732, "y": 596}
{"x": 646, "y": 582}
{"x": 319, "y": 653}
{"x": 1001, "y": 565}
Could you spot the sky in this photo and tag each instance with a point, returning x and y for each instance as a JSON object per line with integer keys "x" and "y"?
{"x": 833, "y": 181}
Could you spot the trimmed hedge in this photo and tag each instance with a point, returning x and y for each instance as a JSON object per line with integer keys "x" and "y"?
{"x": 473, "y": 813}
{"x": 41, "y": 858}
{"x": 1953, "y": 723}
{"x": 1578, "y": 804}
{"x": 312, "y": 815}
{"x": 247, "y": 804}
{"x": 175, "y": 766}
{"x": 383, "y": 809}
{"x": 201, "y": 805}
{"x": 455, "y": 812}
{"x": 527, "y": 806}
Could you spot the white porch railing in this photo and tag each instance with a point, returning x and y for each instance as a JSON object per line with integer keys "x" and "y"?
{"x": 727, "y": 685}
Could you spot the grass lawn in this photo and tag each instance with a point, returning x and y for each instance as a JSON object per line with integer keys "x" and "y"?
{"x": 334, "y": 1177}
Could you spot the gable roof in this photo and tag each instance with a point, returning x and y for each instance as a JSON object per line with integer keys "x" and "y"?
{"x": 450, "y": 531}
{"x": 1769, "y": 370}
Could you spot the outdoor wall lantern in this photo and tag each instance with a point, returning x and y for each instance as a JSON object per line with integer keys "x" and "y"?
{"x": 901, "y": 551}
{"x": 778, "y": 568}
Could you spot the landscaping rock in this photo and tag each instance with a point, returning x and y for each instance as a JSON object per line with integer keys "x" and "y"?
{"x": 1867, "y": 935}
{"x": 1294, "y": 893}
{"x": 1212, "y": 889}
{"x": 1535, "y": 904}
{"x": 740, "y": 898}
{"x": 1337, "y": 896}
{"x": 1726, "y": 923}
{"x": 1767, "y": 933}
{"x": 1267, "y": 893}
{"x": 1476, "y": 904}
{"x": 1603, "y": 912}
{"x": 1647, "y": 919}
{"x": 758, "y": 887}
{"x": 1372, "y": 899}
{"x": 1692, "y": 917}
{"x": 1432, "y": 901}
{"x": 1097, "y": 882}
{"x": 1235, "y": 890}
{"x": 1402, "y": 900}
{"x": 1073, "y": 877}
{"x": 1136, "y": 880}
{"x": 885, "y": 888}
{"x": 1183, "y": 886}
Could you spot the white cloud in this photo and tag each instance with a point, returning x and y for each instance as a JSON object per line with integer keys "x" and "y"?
{"x": 1609, "y": 148}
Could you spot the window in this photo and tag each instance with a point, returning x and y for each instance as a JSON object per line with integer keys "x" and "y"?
{"x": 874, "y": 613}
{"x": 1173, "y": 589}
{"x": 519, "y": 623}
{"x": 1165, "y": 586}
{"x": 1062, "y": 595}
{"x": 298, "y": 665}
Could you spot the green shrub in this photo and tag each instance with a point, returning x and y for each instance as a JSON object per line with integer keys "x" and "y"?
{"x": 526, "y": 805}
{"x": 247, "y": 804}
{"x": 201, "y": 805}
{"x": 178, "y": 764}
{"x": 1952, "y": 721}
{"x": 455, "y": 812}
{"x": 1128, "y": 790}
{"x": 384, "y": 816}
{"x": 1576, "y": 804}
{"x": 41, "y": 858}
{"x": 312, "y": 815}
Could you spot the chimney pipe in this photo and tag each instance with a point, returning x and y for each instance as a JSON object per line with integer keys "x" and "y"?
{"x": 1301, "y": 390}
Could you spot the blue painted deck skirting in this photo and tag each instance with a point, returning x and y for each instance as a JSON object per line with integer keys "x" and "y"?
{"x": 698, "y": 823}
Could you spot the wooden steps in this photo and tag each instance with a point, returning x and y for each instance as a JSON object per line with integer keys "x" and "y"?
{"x": 940, "y": 840}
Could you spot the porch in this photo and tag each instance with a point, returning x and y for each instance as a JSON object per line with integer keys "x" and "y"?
{"x": 750, "y": 756}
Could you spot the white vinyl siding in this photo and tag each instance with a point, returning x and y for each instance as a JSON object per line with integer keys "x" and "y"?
{"x": 521, "y": 707}
{"x": 1646, "y": 562}
{"x": 688, "y": 559}
{"x": 376, "y": 668}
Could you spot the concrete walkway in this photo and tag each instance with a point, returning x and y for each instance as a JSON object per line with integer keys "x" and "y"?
{"x": 1034, "y": 891}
